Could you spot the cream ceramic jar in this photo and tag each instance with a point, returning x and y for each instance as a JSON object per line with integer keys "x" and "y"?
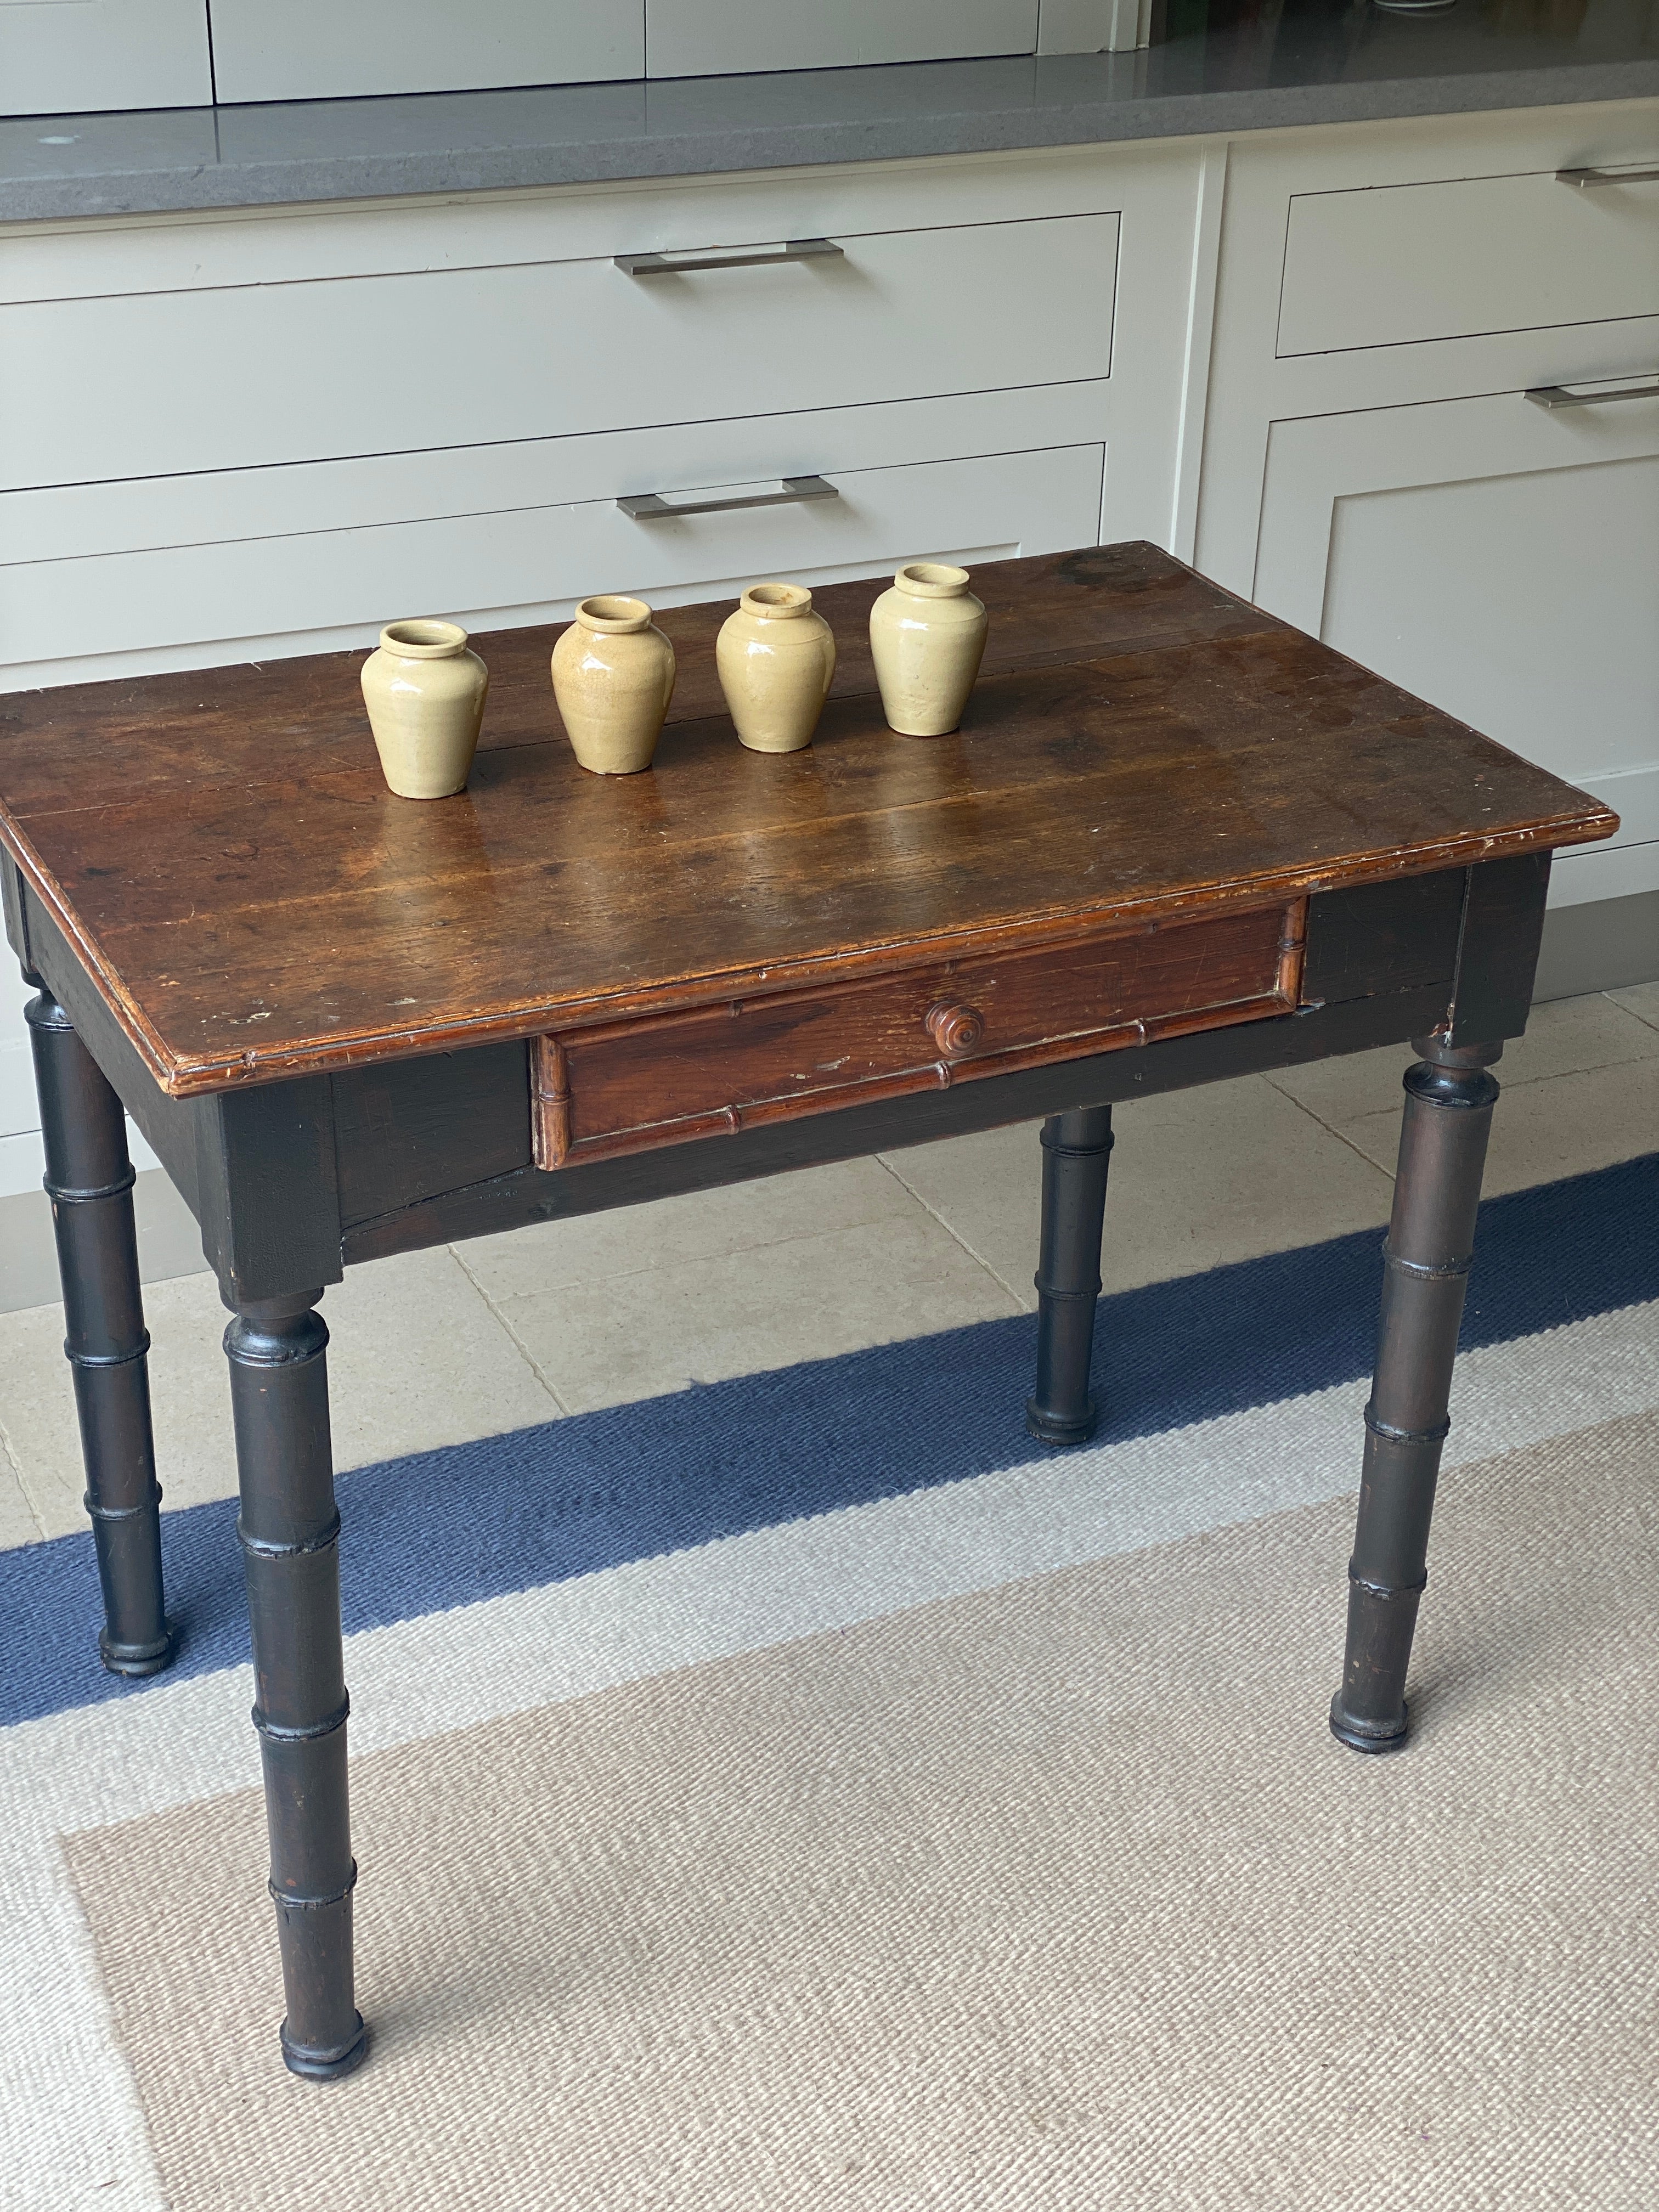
{"x": 425, "y": 696}
{"x": 776, "y": 658}
{"x": 613, "y": 677}
{"x": 928, "y": 637}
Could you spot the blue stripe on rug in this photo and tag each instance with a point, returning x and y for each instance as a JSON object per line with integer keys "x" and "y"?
{"x": 447, "y": 1527}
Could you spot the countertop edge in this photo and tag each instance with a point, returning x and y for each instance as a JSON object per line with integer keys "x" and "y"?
{"x": 308, "y": 179}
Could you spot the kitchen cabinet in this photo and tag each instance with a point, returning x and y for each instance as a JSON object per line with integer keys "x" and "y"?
{"x": 1502, "y": 560}
{"x": 511, "y": 535}
{"x": 132, "y": 385}
{"x": 704, "y": 38}
{"x": 263, "y": 434}
{"x": 319, "y": 50}
{"x": 1465, "y": 257}
{"x": 1375, "y": 472}
{"x": 75, "y": 57}
{"x": 81, "y": 57}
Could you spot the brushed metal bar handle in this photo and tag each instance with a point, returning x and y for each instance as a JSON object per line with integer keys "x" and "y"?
{"x": 1557, "y": 395}
{"x": 669, "y": 265}
{"x": 651, "y": 505}
{"x": 1583, "y": 177}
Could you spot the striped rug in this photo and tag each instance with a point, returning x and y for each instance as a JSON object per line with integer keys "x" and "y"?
{"x": 806, "y": 1790}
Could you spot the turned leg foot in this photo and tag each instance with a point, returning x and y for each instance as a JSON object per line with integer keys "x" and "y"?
{"x": 289, "y": 1530}
{"x": 89, "y": 1181}
{"x": 1077, "y": 1148}
{"x": 1449, "y": 1097}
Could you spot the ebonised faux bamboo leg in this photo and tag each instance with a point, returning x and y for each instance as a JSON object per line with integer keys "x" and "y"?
{"x": 289, "y": 1530}
{"x": 89, "y": 1181}
{"x": 1077, "y": 1148}
{"x": 1449, "y": 1097}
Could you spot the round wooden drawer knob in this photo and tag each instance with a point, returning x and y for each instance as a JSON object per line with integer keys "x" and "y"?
{"x": 954, "y": 1029}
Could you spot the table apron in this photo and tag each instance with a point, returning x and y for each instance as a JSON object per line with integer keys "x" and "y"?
{"x": 738, "y": 1063}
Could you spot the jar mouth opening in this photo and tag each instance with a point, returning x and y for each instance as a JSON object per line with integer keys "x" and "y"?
{"x": 422, "y": 640}
{"x": 777, "y": 601}
{"x": 613, "y": 614}
{"x": 932, "y": 579}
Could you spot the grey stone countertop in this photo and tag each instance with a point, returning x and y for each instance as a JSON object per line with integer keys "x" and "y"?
{"x": 1315, "y": 63}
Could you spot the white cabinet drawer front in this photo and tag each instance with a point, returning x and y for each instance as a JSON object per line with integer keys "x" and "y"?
{"x": 702, "y": 38}
{"x": 193, "y": 605}
{"x": 1631, "y": 857}
{"x": 321, "y": 50}
{"x": 72, "y": 56}
{"x": 93, "y": 390}
{"x": 149, "y": 514}
{"x": 1502, "y": 562}
{"x": 1408, "y": 263}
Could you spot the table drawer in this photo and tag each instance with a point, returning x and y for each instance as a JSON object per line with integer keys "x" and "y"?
{"x": 1407, "y": 262}
{"x": 257, "y": 375}
{"x": 627, "y": 1086}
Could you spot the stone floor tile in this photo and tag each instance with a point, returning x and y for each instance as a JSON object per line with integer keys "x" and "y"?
{"x": 1641, "y": 999}
{"x": 987, "y": 1190}
{"x": 1563, "y": 1037}
{"x": 37, "y": 1414}
{"x": 665, "y": 1232}
{"x": 1198, "y": 1179}
{"x": 17, "y": 1522}
{"x": 416, "y": 1360}
{"x": 733, "y": 1313}
{"x": 1566, "y": 1125}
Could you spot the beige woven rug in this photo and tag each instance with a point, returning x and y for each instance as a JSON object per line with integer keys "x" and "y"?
{"x": 1059, "y": 1896}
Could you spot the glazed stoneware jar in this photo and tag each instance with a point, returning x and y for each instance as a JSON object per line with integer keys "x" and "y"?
{"x": 927, "y": 636}
{"x": 613, "y": 677}
{"x": 776, "y": 658}
{"x": 425, "y": 696}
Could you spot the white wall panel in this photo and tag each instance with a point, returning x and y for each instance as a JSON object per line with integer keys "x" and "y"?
{"x": 335, "y": 49}
{"x": 706, "y": 38}
{"x": 18, "y": 1109}
{"x": 75, "y": 57}
{"x": 1089, "y": 27}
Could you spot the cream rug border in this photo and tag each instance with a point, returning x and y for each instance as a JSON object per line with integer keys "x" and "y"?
{"x": 910, "y": 1914}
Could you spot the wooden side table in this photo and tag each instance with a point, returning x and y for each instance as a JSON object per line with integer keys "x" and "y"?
{"x": 1175, "y": 841}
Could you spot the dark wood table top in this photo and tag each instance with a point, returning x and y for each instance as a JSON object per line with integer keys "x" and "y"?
{"x": 251, "y": 901}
